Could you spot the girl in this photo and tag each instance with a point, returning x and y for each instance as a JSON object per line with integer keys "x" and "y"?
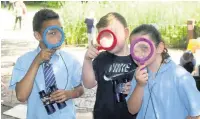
{"x": 165, "y": 90}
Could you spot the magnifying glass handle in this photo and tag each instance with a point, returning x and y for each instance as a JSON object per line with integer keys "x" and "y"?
{"x": 144, "y": 68}
{"x": 142, "y": 63}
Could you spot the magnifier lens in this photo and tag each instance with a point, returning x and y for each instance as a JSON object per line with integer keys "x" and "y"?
{"x": 53, "y": 36}
{"x": 106, "y": 39}
{"x": 142, "y": 49}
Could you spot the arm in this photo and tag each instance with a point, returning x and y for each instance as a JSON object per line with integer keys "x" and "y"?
{"x": 77, "y": 92}
{"x": 135, "y": 99}
{"x": 15, "y": 11}
{"x": 25, "y": 85}
{"x": 24, "y": 8}
{"x": 62, "y": 95}
{"x": 88, "y": 74}
{"x": 137, "y": 87}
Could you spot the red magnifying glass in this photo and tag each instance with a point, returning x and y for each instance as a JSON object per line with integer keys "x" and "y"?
{"x": 106, "y": 40}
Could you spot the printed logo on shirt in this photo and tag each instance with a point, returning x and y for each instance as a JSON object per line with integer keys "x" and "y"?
{"x": 117, "y": 70}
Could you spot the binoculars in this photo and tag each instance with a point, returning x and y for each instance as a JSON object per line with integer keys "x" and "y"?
{"x": 118, "y": 88}
{"x": 45, "y": 97}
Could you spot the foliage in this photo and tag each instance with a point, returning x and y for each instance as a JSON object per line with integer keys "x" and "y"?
{"x": 171, "y": 17}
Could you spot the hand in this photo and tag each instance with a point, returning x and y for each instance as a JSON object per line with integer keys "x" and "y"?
{"x": 127, "y": 88}
{"x": 141, "y": 75}
{"x": 44, "y": 55}
{"x": 189, "y": 117}
{"x": 91, "y": 53}
{"x": 60, "y": 96}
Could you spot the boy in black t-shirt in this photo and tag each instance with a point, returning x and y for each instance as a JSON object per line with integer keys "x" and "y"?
{"x": 109, "y": 67}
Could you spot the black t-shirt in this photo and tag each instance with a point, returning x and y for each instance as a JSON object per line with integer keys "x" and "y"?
{"x": 109, "y": 66}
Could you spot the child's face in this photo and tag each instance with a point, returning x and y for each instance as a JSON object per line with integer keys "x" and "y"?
{"x": 120, "y": 32}
{"x": 157, "y": 50}
{"x": 55, "y": 22}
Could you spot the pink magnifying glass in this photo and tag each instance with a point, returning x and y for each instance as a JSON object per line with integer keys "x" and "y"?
{"x": 141, "y": 50}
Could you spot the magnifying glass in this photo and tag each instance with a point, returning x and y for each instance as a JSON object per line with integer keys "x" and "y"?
{"x": 141, "y": 50}
{"x": 53, "y": 37}
{"x": 107, "y": 40}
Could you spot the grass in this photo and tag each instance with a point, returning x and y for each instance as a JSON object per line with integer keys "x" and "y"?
{"x": 171, "y": 17}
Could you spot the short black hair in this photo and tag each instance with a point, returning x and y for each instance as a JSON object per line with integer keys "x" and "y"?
{"x": 189, "y": 67}
{"x": 41, "y": 16}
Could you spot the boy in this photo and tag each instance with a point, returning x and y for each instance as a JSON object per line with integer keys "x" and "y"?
{"x": 29, "y": 76}
{"x": 109, "y": 64}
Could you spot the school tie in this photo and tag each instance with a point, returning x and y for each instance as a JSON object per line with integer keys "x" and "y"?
{"x": 49, "y": 76}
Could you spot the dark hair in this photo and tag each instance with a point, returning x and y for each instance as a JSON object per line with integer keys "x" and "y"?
{"x": 154, "y": 34}
{"x": 188, "y": 56}
{"x": 41, "y": 16}
{"x": 107, "y": 19}
{"x": 189, "y": 67}
{"x": 199, "y": 69}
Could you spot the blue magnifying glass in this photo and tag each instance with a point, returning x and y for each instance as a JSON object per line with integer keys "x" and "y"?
{"x": 53, "y": 37}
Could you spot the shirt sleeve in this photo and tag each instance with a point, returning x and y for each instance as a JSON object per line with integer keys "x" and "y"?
{"x": 18, "y": 73}
{"x": 189, "y": 94}
{"x": 77, "y": 73}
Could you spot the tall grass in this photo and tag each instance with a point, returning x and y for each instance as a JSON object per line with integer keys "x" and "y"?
{"x": 171, "y": 17}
